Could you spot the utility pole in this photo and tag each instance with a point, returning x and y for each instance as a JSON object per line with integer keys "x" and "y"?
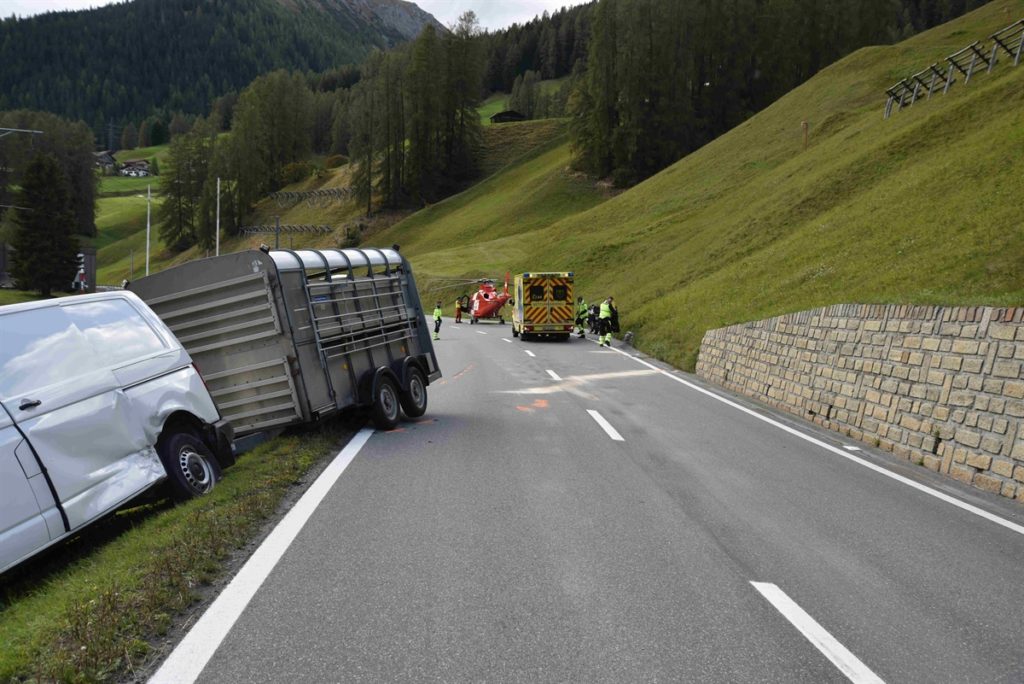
{"x": 217, "y": 250}
{"x": 149, "y": 202}
{"x": 277, "y": 234}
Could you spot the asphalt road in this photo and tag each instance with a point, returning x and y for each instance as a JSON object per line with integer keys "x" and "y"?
{"x": 507, "y": 536}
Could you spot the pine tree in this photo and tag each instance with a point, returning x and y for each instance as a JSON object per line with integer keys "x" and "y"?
{"x": 129, "y": 137}
{"x": 44, "y": 256}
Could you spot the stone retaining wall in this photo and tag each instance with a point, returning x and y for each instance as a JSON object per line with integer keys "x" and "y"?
{"x": 940, "y": 386}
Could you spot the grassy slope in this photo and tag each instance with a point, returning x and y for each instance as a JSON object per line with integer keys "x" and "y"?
{"x": 922, "y": 208}
{"x": 521, "y": 198}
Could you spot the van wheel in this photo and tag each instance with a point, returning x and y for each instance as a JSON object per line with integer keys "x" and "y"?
{"x": 385, "y": 404}
{"x": 414, "y": 397}
{"x": 191, "y": 469}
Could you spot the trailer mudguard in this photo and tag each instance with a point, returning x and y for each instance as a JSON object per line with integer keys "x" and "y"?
{"x": 369, "y": 382}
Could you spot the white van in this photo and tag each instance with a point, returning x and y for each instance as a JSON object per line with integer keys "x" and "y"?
{"x": 98, "y": 402}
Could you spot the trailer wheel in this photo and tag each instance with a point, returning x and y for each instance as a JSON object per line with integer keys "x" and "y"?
{"x": 385, "y": 404}
{"x": 191, "y": 469}
{"x": 414, "y": 396}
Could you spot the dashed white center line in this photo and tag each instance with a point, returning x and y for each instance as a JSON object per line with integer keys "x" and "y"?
{"x": 505, "y": 339}
{"x": 605, "y": 425}
{"x": 553, "y": 374}
{"x": 530, "y": 353}
{"x": 480, "y": 332}
{"x": 849, "y": 447}
{"x": 848, "y": 664}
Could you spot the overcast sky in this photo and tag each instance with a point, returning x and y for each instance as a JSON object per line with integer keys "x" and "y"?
{"x": 493, "y": 14}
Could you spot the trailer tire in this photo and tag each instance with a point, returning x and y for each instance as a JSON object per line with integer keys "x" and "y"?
{"x": 414, "y": 396}
{"x": 385, "y": 409}
{"x": 192, "y": 470}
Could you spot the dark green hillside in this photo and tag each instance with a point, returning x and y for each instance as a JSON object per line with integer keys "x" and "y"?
{"x": 123, "y": 62}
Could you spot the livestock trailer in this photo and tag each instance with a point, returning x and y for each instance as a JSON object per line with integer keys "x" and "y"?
{"x": 284, "y": 337}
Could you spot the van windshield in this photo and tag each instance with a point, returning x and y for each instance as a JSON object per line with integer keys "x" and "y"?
{"x": 43, "y": 346}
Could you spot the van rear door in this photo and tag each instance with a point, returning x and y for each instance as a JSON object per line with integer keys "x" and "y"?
{"x": 57, "y": 383}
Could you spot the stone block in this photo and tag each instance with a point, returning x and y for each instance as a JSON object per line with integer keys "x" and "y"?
{"x": 1006, "y": 369}
{"x": 1002, "y": 467}
{"x": 961, "y": 473}
{"x": 1015, "y": 408}
{"x": 932, "y": 462}
{"x": 1009, "y": 490}
{"x": 988, "y": 483}
{"x": 1001, "y": 331}
{"x": 952, "y": 363}
{"x": 1005, "y": 350}
{"x": 992, "y": 445}
{"x": 959, "y": 415}
{"x": 930, "y": 344}
{"x": 993, "y": 386}
{"x": 1013, "y": 389}
{"x": 975, "y": 383}
{"x": 941, "y": 413}
{"x": 961, "y": 398}
{"x": 968, "y": 438}
{"x": 936, "y": 377}
{"x": 985, "y": 422}
{"x": 911, "y": 423}
{"x": 999, "y": 426}
{"x": 1018, "y": 451}
{"x": 1018, "y": 473}
{"x": 979, "y": 461}
{"x": 965, "y": 347}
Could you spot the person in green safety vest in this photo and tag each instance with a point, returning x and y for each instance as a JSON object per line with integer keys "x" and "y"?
{"x": 581, "y": 317}
{"x": 437, "y": 320}
{"x": 608, "y": 316}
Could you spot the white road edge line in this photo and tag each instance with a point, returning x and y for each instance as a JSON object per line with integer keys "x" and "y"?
{"x": 530, "y": 353}
{"x": 848, "y": 664}
{"x": 1019, "y": 529}
{"x": 851, "y": 448}
{"x": 605, "y": 425}
{"x": 553, "y": 374}
{"x": 190, "y": 656}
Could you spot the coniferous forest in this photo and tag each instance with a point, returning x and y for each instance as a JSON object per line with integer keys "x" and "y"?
{"x": 648, "y": 81}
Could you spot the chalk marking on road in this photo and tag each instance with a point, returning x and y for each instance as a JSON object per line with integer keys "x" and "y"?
{"x": 191, "y": 655}
{"x": 1019, "y": 529}
{"x": 848, "y": 664}
{"x": 505, "y": 339}
{"x": 530, "y": 353}
{"x": 480, "y": 332}
{"x": 553, "y": 374}
{"x": 850, "y": 447}
{"x": 605, "y": 425}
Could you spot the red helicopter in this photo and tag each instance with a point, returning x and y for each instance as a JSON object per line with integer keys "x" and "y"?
{"x": 486, "y": 302}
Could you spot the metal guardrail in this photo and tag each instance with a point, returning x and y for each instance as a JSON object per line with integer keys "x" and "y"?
{"x": 966, "y": 62}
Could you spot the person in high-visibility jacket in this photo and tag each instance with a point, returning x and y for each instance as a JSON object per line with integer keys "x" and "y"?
{"x": 437, "y": 320}
{"x": 605, "y": 318}
{"x": 458, "y": 310}
{"x": 581, "y": 317}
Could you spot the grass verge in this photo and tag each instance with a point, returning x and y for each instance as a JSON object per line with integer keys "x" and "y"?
{"x": 91, "y": 620}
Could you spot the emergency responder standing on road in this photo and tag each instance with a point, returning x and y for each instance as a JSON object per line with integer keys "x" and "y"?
{"x": 608, "y": 316}
{"x": 437, "y": 320}
{"x": 458, "y": 310}
{"x": 581, "y": 317}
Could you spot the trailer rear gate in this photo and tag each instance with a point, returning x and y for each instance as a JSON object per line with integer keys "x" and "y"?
{"x": 287, "y": 336}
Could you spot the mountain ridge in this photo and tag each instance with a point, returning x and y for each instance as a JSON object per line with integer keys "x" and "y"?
{"x": 124, "y": 62}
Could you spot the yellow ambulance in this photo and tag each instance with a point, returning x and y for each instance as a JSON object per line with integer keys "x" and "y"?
{"x": 543, "y": 305}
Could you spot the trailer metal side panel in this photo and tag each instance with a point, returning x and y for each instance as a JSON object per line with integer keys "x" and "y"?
{"x": 285, "y": 337}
